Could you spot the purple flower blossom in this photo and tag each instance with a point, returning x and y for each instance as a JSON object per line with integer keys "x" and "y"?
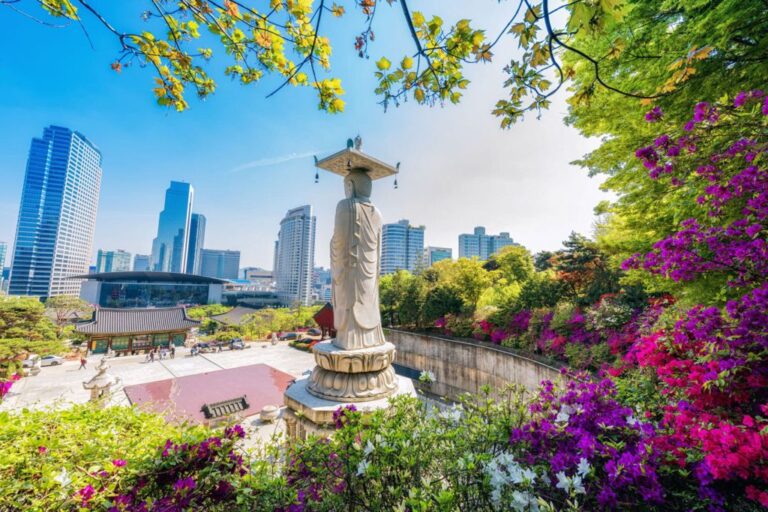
{"x": 654, "y": 114}
{"x": 184, "y": 484}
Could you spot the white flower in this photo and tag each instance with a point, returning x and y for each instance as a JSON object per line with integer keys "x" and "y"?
{"x": 368, "y": 448}
{"x": 564, "y": 414}
{"x": 631, "y": 421}
{"x": 453, "y": 414}
{"x": 63, "y": 478}
{"x": 563, "y": 482}
{"x": 362, "y": 467}
{"x": 578, "y": 486}
{"x": 583, "y": 468}
{"x": 529, "y": 475}
{"x": 426, "y": 377}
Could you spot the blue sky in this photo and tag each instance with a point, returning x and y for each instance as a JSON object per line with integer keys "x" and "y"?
{"x": 249, "y": 158}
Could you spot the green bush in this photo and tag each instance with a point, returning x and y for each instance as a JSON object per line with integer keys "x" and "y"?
{"x": 47, "y": 456}
{"x": 578, "y": 356}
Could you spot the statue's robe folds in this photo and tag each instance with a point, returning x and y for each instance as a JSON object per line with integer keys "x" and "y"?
{"x": 355, "y": 253}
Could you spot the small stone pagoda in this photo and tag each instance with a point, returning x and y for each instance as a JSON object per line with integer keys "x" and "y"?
{"x": 100, "y": 384}
{"x": 355, "y": 367}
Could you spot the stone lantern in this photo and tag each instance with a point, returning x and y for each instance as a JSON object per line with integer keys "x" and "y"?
{"x": 101, "y": 383}
{"x": 355, "y": 367}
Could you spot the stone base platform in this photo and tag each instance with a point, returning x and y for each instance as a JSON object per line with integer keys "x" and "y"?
{"x": 308, "y": 414}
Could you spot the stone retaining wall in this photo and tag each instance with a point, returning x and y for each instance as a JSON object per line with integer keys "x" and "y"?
{"x": 465, "y": 366}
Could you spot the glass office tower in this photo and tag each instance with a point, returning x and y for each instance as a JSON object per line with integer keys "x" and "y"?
{"x": 196, "y": 241}
{"x": 221, "y": 264}
{"x": 169, "y": 248}
{"x": 57, "y": 214}
{"x": 113, "y": 261}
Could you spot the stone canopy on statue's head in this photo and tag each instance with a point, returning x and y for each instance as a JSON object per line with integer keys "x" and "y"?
{"x": 348, "y": 159}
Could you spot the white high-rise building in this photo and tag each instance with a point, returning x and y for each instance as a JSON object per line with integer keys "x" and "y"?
{"x": 481, "y": 245}
{"x": 402, "y": 247}
{"x": 57, "y": 214}
{"x": 295, "y": 256}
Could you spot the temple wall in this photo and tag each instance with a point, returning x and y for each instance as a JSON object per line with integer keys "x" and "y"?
{"x": 462, "y": 366}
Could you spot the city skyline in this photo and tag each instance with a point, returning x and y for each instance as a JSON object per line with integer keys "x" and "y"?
{"x": 518, "y": 180}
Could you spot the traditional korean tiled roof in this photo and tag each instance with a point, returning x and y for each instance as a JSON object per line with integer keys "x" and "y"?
{"x": 137, "y": 321}
{"x": 235, "y": 316}
{"x": 225, "y": 407}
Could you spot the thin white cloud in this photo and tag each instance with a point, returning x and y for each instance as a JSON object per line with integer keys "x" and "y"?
{"x": 275, "y": 160}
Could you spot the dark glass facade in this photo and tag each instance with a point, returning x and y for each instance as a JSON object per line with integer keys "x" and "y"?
{"x": 144, "y": 295}
{"x": 169, "y": 248}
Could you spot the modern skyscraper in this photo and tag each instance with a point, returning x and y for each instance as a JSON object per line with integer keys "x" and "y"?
{"x": 222, "y": 264}
{"x": 402, "y": 247}
{"x": 169, "y": 248}
{"x": 482, "y": 246}
{"x": 434, "y": 254}
{"x": 141, "y": 262}
{"x": 3, "y": 252}
{"x": 57, "y": 215}
{"x": 113, "y": 261}
{"x": 295, "y": 256}
{"x": 196, "y": 243}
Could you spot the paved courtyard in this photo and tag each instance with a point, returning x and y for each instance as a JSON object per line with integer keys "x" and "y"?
{"x": 62, "y": 385}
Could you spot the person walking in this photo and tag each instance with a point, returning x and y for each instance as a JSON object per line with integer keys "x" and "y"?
{"x": 152, "y": 356}
{"x": 83, "y": 361}
{"x": 173, "y": 352}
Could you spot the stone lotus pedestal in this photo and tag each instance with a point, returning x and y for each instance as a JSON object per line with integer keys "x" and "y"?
{"x": 363, "y": 377}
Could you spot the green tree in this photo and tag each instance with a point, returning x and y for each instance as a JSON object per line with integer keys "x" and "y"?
{"x": 207, "y": 311}
{"x": 468, "y": 276}
{"x": 682, "y": 51}
{"x": 24, "y": 317}
{"x": 542, "y": 291}
{"x": 586, "y": 41}
{"x": 541, "y": 260}
{"x": 66, "y": 308}
{"x": 584, "y": 270}
{"x": 401, "y": 298}
{"x": 514, "y": 263}
{"x": 440, "y": 301}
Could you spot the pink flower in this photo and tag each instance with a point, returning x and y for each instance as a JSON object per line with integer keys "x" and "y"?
{"x": 118, "y": 463}
{"x": 86, "y": 493}
{"x": 42, "y": 449}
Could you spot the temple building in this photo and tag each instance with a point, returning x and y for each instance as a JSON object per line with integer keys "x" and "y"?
{"x": 131, "y": 331}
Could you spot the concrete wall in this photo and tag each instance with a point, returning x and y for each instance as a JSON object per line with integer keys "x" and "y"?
{"x": 465, "y": 366}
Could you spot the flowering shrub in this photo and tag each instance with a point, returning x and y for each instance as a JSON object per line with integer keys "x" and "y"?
{"x": 7, "y": 384}
{"x": 711, "y": 366}
{"x": 720, "y": 156}
{"x": 590, "y": 447}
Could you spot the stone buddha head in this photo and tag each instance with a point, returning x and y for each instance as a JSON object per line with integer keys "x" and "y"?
{"x": 357, "y": 184}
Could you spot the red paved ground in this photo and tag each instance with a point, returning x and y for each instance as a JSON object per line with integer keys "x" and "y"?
{"x": 182, "y": 398}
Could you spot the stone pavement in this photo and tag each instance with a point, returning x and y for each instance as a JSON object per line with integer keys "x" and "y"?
{"x": 61, "y": 385}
